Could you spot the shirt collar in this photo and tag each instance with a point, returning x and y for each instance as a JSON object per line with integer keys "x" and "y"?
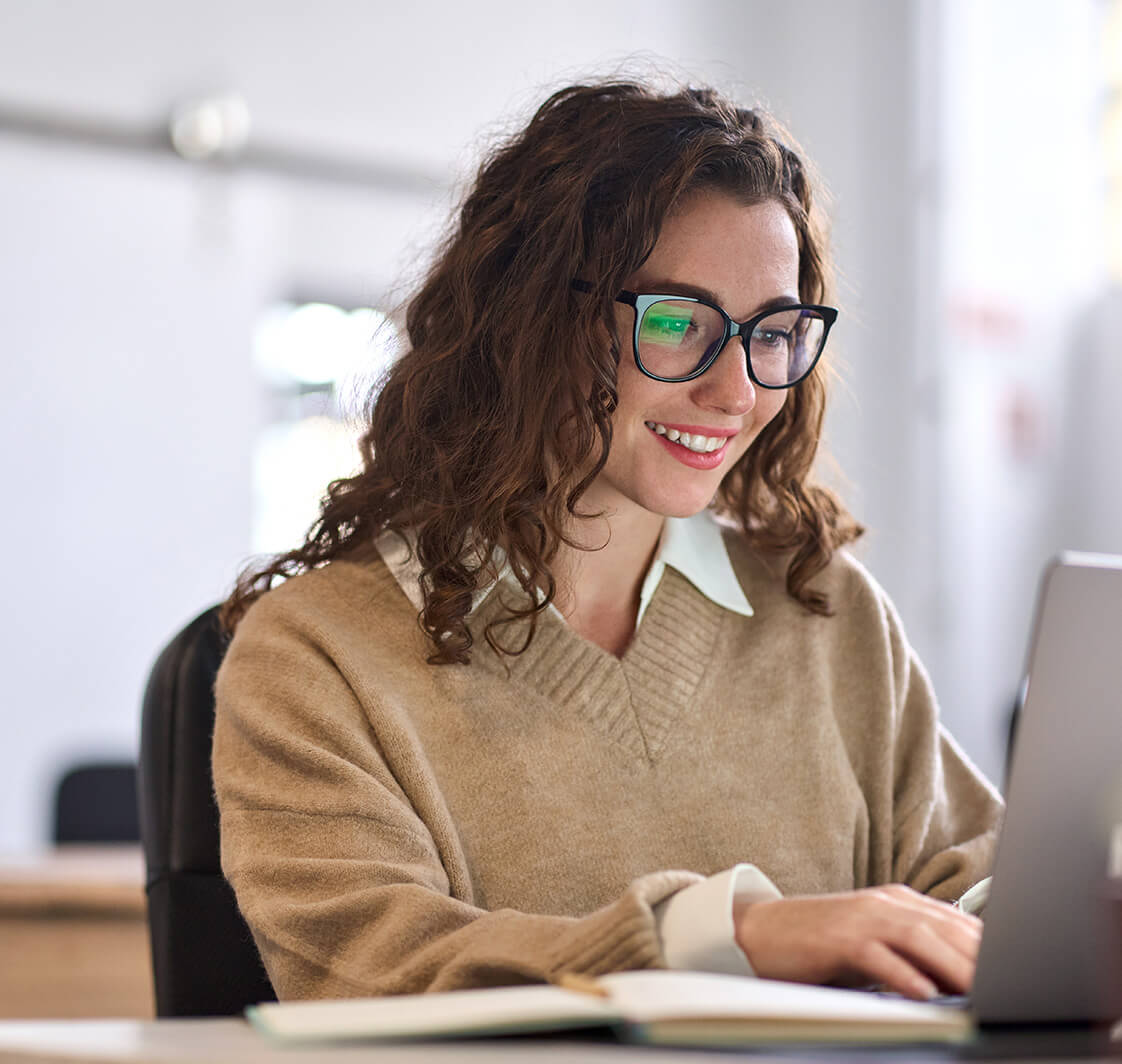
{"x": 693, "y": 546}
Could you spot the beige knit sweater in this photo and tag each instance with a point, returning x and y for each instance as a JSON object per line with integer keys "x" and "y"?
{"x": 391, "y": 826}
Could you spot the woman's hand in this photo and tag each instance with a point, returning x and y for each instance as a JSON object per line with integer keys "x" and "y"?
{"x": 890, "y": 935}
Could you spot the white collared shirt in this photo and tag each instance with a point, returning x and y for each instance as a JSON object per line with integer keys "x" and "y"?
{"x": 692, "y": 545}
{"x": 695, "y": 925}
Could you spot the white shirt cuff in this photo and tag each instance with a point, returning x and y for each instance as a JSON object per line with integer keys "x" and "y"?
{"x": 695, "y": 924}
{"x": 974, "y": 900}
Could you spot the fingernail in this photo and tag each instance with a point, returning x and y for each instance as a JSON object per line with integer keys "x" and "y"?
{"x": 927, "y": 989}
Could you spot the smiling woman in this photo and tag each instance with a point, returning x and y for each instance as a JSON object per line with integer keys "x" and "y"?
{"x": 574, "y": 675}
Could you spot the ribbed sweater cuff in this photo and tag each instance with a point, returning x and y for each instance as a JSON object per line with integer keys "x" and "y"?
{"x": 621, "y": 936}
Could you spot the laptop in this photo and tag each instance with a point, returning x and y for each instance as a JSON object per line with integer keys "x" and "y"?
{"x": 1051, "y": 950}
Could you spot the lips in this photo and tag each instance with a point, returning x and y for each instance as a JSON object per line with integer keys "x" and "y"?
{"x": 693, "y": 459}
{"x": 696, "y": 441}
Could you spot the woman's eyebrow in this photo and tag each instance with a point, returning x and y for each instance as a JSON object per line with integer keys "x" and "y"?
{"x": 684, "y": 288}
{"x": 680, "y": 288}
{"x": 778, "y": 303}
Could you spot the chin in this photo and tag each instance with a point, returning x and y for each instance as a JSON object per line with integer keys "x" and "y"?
{"x": 681, "y": 505}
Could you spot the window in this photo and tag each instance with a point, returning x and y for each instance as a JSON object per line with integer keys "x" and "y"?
{"x": 318, "y": 363}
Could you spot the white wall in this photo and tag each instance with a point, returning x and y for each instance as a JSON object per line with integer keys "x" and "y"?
{"x": 1021, "y": 256}
{"x": 131, "y": 284}
{"x": 125, "y": 431}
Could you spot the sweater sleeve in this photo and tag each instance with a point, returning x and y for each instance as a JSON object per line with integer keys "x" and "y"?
{"x": 339, "y": 877}
{"x": 946, "y": 813}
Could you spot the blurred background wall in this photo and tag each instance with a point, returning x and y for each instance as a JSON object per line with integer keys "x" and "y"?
{"x": 179, "y": 338}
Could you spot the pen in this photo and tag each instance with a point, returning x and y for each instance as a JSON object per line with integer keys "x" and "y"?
{"x": 582, "y": 984}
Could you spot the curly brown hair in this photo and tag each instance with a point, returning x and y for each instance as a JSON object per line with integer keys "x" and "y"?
{"x": 488, "y": 430}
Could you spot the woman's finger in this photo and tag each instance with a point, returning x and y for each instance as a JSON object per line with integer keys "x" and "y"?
{"x": 959, "y": 930}
{"x": 875, "y": 962}
{"x": 947, "y": 963}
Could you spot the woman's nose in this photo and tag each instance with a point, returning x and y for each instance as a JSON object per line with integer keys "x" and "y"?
{"x": 725, "y": 385}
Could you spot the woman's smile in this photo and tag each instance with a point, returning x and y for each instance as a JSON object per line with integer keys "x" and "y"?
{"x": 692, "y": 446}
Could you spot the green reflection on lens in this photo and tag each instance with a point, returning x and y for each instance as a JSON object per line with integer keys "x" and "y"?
{"x": 665, "y": 326}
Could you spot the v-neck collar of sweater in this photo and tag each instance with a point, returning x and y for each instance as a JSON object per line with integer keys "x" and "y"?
{"x": 688, "y": 593}
{"x": 693, "y": 546}
{"x": 634, "y": 700}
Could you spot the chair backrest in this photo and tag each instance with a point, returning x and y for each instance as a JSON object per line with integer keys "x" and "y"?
{"x": 204, "y": 960}
{"x": 96, "y": 802}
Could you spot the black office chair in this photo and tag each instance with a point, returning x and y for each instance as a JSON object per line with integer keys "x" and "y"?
{"x": 95, "y": 802}
{"x": 204, "y": 959}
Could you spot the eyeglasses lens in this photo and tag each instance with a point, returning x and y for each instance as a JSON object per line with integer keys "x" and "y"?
{"x": 675, "y": 337}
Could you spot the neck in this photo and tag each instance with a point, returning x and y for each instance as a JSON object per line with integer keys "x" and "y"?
{"x": 599, "y": 581}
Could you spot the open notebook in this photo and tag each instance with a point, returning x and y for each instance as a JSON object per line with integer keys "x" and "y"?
{"x": 682, "y": 1008}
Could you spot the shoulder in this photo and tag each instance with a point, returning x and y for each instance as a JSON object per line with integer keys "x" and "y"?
{"x": 852, "y": 590}
{"x": 863, "y": 624}
{"x": 860, "y": 651}
{"x": 353, "y": 601}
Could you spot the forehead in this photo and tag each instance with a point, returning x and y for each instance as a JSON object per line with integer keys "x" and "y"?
{"x": 746, "y": 255}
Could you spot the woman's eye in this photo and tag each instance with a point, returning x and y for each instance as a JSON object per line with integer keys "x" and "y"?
{"x": 775, "y": 338}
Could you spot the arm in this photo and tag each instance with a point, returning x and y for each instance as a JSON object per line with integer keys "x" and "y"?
{"x": 942, "y": 818}
{"x": 350, "y": 885}
{"x": 947, "y": 815}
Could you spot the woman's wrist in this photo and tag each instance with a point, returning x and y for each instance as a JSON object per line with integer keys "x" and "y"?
{"x": 746, "y": 916}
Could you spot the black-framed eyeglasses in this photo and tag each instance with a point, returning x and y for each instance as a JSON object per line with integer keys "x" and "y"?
{"x": 677, "y": 338}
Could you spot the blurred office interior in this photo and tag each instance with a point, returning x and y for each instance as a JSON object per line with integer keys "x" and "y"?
{"x": 210, "y": 211}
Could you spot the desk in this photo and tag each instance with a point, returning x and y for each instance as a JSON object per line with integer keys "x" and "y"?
{"x": 232, "y": 1041}
{"x": 74, "y": 935}
{"x": 218, "y": 1041}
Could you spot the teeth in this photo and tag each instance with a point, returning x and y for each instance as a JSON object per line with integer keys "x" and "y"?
{"x": 697, "y": 443}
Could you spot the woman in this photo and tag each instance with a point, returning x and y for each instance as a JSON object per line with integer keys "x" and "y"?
{"x": 651, "y": 715}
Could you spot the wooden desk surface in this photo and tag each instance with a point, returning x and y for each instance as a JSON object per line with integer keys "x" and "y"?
{"x": 74, "y": 934}
{"x": 85, "y": 879}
